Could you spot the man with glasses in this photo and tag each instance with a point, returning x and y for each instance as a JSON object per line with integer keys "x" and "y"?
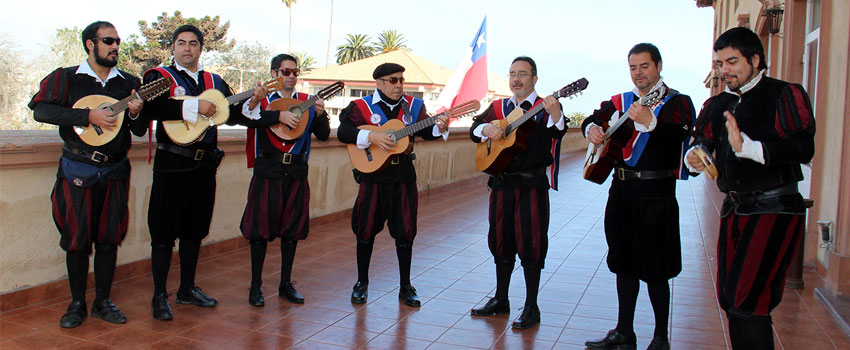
{"x": 279, "y": 195}
{"x": 92, "y": 185}
{"x": 183, "y": 189}
{"x": 642, "y": 214}
{"x": 390, "y": 195}
{"x": 519, "y": 200}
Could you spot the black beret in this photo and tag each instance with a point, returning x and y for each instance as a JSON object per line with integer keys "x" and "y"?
{"x": 386, "y": 69}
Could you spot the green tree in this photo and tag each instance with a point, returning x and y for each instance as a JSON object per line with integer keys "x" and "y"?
{"x": 289, "y": 4}
{"x": 66, "y": 49}
{"x": 156, "y": 49}
{"x": 356, "y": 48}
{"x": 390, "y": 40}
{"x": 246, "y": 65}
{"x": 305, "y": 61}
{"x": 575, "y": 118}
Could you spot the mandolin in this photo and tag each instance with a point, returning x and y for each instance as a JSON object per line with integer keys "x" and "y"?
{"x": 300, "y": 108}
{"x": 96, "y": 136}
{"x": 184, "y": 133}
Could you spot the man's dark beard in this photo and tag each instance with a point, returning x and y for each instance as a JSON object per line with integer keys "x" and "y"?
{"x": 105, "y": 61}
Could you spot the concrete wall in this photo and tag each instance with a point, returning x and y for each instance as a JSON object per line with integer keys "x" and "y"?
{"x": 29, "y": 242}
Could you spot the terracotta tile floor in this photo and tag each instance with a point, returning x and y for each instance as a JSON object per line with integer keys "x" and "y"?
{"x": 453, "y": 272}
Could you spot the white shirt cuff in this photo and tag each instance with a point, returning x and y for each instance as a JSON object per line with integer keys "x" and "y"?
{"x": 479, "y": 132}
{"x": 690, "y": 168}
{"x": 190, "y": 110}
{"x": 436, "y": 132}
{"x": 253, "y": 114}
{"x": 559, "y": 124}
{"x": 588, "y": 128}
{"x": 640, "y": 128}
{"x": 751, "y": 150}
{"x": 363, "y": 139}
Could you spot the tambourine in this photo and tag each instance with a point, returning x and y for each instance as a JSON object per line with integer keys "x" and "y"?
{"x": 707, "y": 161}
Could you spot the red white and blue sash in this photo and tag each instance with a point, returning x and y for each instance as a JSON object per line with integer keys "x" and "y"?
{"x": 367, "y": 109}
{"x": 297, "y": 146}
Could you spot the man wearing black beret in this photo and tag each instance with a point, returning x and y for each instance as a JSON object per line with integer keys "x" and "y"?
{"x": 388, "y": 195}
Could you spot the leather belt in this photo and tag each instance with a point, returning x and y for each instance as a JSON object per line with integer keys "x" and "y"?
{"x": 522, "y": 175}
{"x": 195, "y": 154}
{"x": 283, "y": 158}
{"x": 402, "y": 158}
{"x": 94, "y": 156}
{"x": 750, "y": 198}
{"x": 628, "y": 174}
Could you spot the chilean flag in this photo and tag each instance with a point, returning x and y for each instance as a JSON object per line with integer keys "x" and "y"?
{"x": 469, "y": 81}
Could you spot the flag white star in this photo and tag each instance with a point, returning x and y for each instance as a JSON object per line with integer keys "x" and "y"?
{"x": 480, "y": 41}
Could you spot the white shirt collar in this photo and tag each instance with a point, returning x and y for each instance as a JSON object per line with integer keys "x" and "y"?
{"x": 376, "y": 97}
{"x": 85, "y": 68}
{"x": 194, "y": 75}
{"x": 532, "y": 97}
{"x": 657, "y": 86}
{"x": 749, "y": 85}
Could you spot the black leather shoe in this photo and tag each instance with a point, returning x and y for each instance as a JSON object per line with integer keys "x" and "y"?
{"x": 75, "y": 315}
{"x": 195, "y": 297}
{"x": 255, "y": 296}
{"x": 288, "y": 291}
{"x": 407, "y": 294}
{"x": 530, "y": 317}
{"x": 492, "y": 307}
{"x": 160, "y": 308}
{"x": 106, "y": 310}
{"x": 359, "y": 293}
{"x": 614, "y": 341}
{"x": 659, "y": 343}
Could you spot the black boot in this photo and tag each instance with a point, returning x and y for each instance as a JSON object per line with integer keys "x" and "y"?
{"x": 255, "y": 296}
{"x": 492, "y": 307}
{"x": 75, "y": 315}
{"x": 160, "y": 308}
{"x": 359, "y": 293}
{"x": 106, "y": 310}
{"x": 407, "y": 294}
{"x": 288, "y": 291}
{"x": 614, "y": 341}
{"x": 530, "y": 317}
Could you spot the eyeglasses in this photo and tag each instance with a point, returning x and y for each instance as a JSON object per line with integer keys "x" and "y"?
{"x": 521, "y": 75}
{"x": 393, "y": 80}
{"x": 108, "y": 40}
{"x": 286, "y": 71}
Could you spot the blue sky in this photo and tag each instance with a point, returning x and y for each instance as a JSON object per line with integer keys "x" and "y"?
{"x": 569, "y": 39}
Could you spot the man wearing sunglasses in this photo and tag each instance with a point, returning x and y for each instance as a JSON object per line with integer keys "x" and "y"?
{"x": 390, "y": 195}
{"x": 90, "y": 194}
{"x": 521, "y": 192}
{"x": 183, "y": 189}
{"x": 278, "y": 202}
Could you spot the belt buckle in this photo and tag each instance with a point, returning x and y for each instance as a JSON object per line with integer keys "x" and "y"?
{"x": 199, "y": 154}
{"x": 287, "y": 158}
{"x": 394, "y": 161}
{"x": 621, "y": 174}
{"x": 98, "y": 157}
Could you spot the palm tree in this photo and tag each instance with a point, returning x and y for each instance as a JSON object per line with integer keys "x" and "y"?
{"x": 305, "y": 61}
{"x": 390, "y": 40}
{"x": 356, "y": 48}
{"x": 289, "y": 4}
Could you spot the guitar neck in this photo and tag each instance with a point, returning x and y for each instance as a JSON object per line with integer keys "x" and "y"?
{"x": 309, "y": 103}
{"x": 416, "y": 127}
{"x": 528, "y": 115}
{"x": 613, "y": 128}
{"x": 242, "y": 96}
{"x": 120, "y": 106}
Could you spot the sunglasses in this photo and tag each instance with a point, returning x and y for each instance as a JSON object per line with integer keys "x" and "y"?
{"x": 108, "y": 40}
{"x": 393, "y": 80}
{"x": 286, "y": 71}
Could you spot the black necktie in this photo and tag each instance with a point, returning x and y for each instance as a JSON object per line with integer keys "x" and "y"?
{"x": 525, "y": 105}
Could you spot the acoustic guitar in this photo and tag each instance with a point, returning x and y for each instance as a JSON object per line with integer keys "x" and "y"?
{"x": 602, "y": 158}
{"x": 185, "y": 133}
{"x": 374, "y": 159}
{"x": 492, "y": 156}
{"x": 302, "y": 109}
{"x": 96, "y": 136}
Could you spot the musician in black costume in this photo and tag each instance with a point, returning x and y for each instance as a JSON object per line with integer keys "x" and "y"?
{"x": 92, "y": 184}
{"x": 642, "y": 214}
